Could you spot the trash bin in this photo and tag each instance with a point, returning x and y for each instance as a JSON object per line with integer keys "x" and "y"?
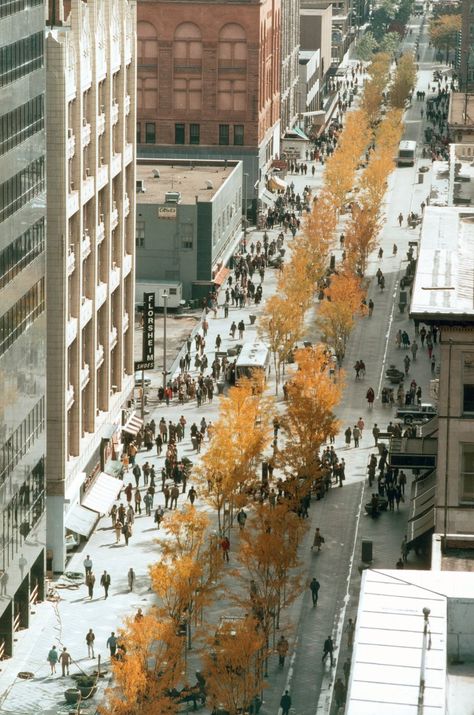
{"x": 367, "y": 556}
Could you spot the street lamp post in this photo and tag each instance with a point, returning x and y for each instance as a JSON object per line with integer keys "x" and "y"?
{"x": 165, "y": 313}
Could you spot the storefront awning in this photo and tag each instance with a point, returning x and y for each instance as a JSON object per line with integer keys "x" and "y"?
{"x": 267, "y": 198}
{"x": 220, "y": 276}
{"x": 277, "y": 184}
{"x": 300, "y": 133}
{"x": 133, "y": 425}
{"x": 102, "y": 494}
{"x": 422, "y": 518}
{"x": 81, "y": 521}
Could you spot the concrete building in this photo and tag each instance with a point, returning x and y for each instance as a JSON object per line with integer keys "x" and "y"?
{"x": 189, "y": 222}
{"x": 461, "y": 118}
{"x": 413, "y": 646}
{"x": 90, "y": 258}
{"x": 209, "y": 83}
{"x": 453, "y": 180}
{"x": 22, "y": 315}
{"x": 309, "y": 87}
{"x": 342, "y": 30}
{"x": 442, "y": 295}
{"x": 466, "y": 69}
{"x": 290, "y": 47}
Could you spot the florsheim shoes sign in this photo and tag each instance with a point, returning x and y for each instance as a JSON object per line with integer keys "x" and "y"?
{"x": 148, "y": 355}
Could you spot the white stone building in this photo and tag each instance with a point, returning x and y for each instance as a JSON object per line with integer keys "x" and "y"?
{"x": 91, "y": 89}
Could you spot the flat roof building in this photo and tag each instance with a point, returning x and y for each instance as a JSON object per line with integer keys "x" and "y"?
{"x": 189, "y": 222}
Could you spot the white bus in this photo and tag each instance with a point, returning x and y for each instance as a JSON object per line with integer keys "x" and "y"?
{"x": 253, "y": 357}
{"x": 406, "y": 153}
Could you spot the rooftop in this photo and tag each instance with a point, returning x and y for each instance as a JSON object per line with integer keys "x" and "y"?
{"x": 397, "y": 663}
{"x": 452, "y": 182}
{"x": 444, "y": 282}
{"x": 190, "y": 179}
{"x": 461, "y": 109}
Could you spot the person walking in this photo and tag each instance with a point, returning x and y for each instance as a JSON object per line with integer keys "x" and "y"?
{"x": 241, "y": 329}
{"x": 225, "y": 546}
{"x": 192, "y": 494}
{"x": 315, "y": 586}
{"x": 318, "y": 540}
{"x": 339, "y": 693}
{"x": 414, "y": 350}
{"x": 370, "y": 397}
{"x": 174, "y": 496}
{"x": 90, "y": 638}
{"x": 53, "y": 659}
{"x": 371, "y": 307}
{"x": 400, "y": 219}
{"x": 138, "y": 501}
{"x": 350, "y": 628}
{"x": 241, "y": 518}
{"x": 282, "y": 650}
{"x": 87, "y": 565}
{"x": 65, "y": 659}
{"x": 346, "y": 668}
{"x": 112, "y": 644}
{"x": 376, "y": 433}
{"x": 328, "y": 650}
{"x": 356, "y": 435}
{"x": 90, "y": 583}
{"x": 118, "y": 531}
{"x": 348, "y": 436}
{"x": 131, "y": 578}
{"x": 105, "y": 583}
{"x": 361, "y": 425}
{"x": 285, "y": 703}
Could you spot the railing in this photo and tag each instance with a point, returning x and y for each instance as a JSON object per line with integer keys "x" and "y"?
{"x": 100, "y": 232}
{"x": 86, "y": 134}
{"x": 85, "y": 245}
{"x": 69, "y": 397}
{"x": 114, "y": 114}
{"x": 99, "y": 356}
{"x": 101, "y": 123}
{"x": 71, "y": 330}
{"x": 71, "y": 146}
{"x": 85, "y": 375}
{"x": 71, "y": 262}
{"x": 113, "y": 337}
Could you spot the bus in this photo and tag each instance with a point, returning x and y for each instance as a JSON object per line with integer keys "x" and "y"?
{"x": 254, "y": 357}
{"x": 406, "y": 153}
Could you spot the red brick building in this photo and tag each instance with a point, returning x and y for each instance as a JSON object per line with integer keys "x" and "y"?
{"x": 209, "y": 82}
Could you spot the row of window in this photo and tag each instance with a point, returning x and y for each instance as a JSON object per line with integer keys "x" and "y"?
{"x": 21, "y": 514}
{"x": 10, "y": 7}
{"x": 22, "y": 439}
{"x": 21, "y": 123}
{"x": 25, "y": 311}
{"x": 18, "y": 254}
{"x": 20, "y": 58}
{"x": 227, "y": 134}
{"x": 21, "y": 188}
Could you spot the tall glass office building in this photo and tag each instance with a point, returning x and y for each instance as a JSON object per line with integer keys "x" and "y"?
{"x": 22, "y": 315}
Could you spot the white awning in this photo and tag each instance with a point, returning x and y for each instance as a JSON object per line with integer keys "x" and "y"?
{"x": 133, "y": 425}
{"x": 267, "y": 198}
{"x": 102, "y": 493}
{"x": 80, "y": 520}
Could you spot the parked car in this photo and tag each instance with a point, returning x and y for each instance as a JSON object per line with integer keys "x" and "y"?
{"x": 138, "y": 380}
{"x": 417, "y": 413}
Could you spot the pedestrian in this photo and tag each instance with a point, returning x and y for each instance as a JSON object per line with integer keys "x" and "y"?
{"x": 370, "y": 397}
{"x": 174, "y": 494}
{"x": 90, "y": 582}
{"x": 112, "y": 644}
{"x": 90, "y": 638}
{"x": 348, "y": 436}
{"x": 356, "y": 435}
{"x": 192, "y": 494}
{"x": 241, "y": 329}
{"x": 376, "y": 433}
{"x": 350, "y": 628}
{"x": 241, "y": 518}
{"x": 371, "y": 307}
{"x": 53, "y": 659}
{"x": 105, "y": 583}
{"x": 87, "y": 564}
{"x": 282, "y": 650}
{"x": 139, "y": 615}
{"x": 118, "y": 531}
{"x": 433, "y": 365}
{"x": 65, "y": 659}
{"x": 404, "y": 550}
{"x": 225, "y": 546}
{"x": 328, "y": 649}
{"x": 347, "y": 670}
{"x": 127, "y": 531}
{"x": 339, "y": 693}
{"x": 285, "y": 703}
{"x": 137, "y": 473}
{"x": 318, "y": 540}
{"x": 147, "y": 500}
{"x": 159, "y": 513}
{"x": 218, "y": 342}
{"x": 315, "y": 586}
{"x": 414, "y": 350}
{"x": 138, "y": 501}
{"x": 131, "y": 578}
{"x": 232, "y": 330}
{"x": 400, "y": 219}
{"x": 360, "y": 425}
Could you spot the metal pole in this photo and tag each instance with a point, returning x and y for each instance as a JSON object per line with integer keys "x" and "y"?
{"x": 165, "y": 312}
{"x": 143, "y": 395}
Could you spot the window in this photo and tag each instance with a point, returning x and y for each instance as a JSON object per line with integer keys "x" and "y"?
{"x": 194, "y": 131}
{"x": 186, "y": 233}
{"x": 239, "y": 135}
{"x": 232, "y": 95}
{"x": 223, "y": 134}
{"x": 21, "y": 188}
{"x": 21, "y": 439}
{"x": 21, "y": 252}
{"x": 150, "y": 133}
{"x": 467, "y": 473}
{"x": 179, "y": 133}
{"x": 9, "y": 7}
{"x": 140, "y": 233}
{"x": 468, "y": 383}
{"x": 139, "y": 133}
{"x": 21, "y": 315}
{"x": 187, "y": 93}
{"x": 21, "y": 123}
{"x": 20, "y": 58}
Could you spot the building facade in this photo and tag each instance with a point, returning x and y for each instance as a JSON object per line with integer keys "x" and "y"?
{"x": 290, "y": 47}
{"x": 209, "y": 82}
{"x": 466, "y": 69}
{"x": 22, "y": 315}
{"x": 189, "y": 222}
{"x": 91, "y": 83}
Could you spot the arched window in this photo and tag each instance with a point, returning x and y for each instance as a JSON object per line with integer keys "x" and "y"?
{"x": 187, "y": 74}
{"x": 147, "y": 45}
{"x": 232, "y": 79}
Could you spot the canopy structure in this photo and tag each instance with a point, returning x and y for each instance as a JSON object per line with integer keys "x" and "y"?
{"x": 220, "y": 276}
{"x": 422, "y": 518}
{"x": 277, "y": 184}
{"x": 133, "y": 425}
{"x": 268, "y": 198}
{"x": 102, "y": 494}
{"x": 81, "y": 521}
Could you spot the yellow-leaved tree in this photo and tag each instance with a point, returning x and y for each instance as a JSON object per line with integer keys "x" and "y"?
{"x": 336, "y": 315}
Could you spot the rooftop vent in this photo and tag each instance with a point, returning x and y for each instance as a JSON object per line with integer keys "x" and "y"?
{"x": 156, "y": 173}
{"x": 209, "y": 185}
{"x": 172, "y": 197}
